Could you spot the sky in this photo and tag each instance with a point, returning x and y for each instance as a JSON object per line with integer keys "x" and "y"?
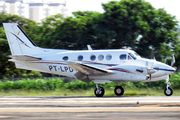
{"x": 171, "y": 6}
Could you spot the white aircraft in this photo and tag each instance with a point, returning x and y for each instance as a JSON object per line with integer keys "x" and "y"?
{"x": 101, "y": 66}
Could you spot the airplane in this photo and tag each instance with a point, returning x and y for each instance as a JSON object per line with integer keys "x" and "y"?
{"x": 100, "y": 66}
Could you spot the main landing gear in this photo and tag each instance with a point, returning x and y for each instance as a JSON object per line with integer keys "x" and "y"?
{"x": 119, "y": 90}
{"x": 168, "y": 91}
{"x": 99, "y": 91}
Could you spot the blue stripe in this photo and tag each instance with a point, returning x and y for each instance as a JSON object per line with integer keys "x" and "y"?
{"x": 163, "y": 69}
{"x": 20, "y": 40}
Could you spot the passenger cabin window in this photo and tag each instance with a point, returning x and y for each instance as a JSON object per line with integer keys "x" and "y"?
{"x": 93, "y": 57}
{"x": 122, "y": 57}
{"x": 65, "y": 58}
{"x": 100, "y": 57}
{"x": 109, "y": 57}
{"x": 80, "y": 58}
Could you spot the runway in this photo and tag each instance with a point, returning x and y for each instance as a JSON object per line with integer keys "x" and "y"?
{"x": 80, "y": 107}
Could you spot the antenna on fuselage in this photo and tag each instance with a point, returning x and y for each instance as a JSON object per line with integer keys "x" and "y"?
{"x": 154, "y": 58}
{"x": 89, "y": 47}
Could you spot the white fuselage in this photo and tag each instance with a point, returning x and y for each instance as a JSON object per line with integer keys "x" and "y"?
{"x": 124, "y": 64}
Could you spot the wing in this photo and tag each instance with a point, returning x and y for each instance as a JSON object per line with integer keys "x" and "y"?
{"x": 24, "y": 57}
{"x": 84, "y": 70}
{"x": 88, "y": 70}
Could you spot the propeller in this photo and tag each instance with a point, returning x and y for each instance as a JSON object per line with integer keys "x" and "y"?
{"x": 150, "y": 70}
{"x": 173, "y": 60}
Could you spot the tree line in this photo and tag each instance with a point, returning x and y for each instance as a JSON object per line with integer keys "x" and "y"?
{"x": 125, "y": 24}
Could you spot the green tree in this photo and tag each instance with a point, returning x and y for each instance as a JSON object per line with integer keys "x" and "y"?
{"x": 74, "y": 32}
{"x": 162, "y": 33}
{"x": 123, "y": 21}
{"x": 7, "y": 69}
{"x": 46, "y": 30}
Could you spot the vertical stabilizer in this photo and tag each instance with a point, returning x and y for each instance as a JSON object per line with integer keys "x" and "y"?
{"x": 19, "y": 42}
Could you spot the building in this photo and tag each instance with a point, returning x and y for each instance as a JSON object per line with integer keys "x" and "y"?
{"x": 4, "y": 7}
{"x": 20, "y": 9}
{"x": 39, "y": 11}
{"x": 33, "y": 9}
{"x": 15, "y": 7}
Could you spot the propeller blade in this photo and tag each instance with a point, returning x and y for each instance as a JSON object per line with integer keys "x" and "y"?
{"x": 147, "y": 64}
{"x": 151, "y": 71}
{"x": 153, "y": 65}
{"x": 173, "y": 60}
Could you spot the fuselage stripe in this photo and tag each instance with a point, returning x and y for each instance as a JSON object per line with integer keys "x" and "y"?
{"x": 164, "y": 69}
{"x": 121, "y": 70}
{"x": 66, "y": 64}
{"x": 50, "y": 63}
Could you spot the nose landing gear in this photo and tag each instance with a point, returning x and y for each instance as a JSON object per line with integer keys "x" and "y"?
{"x": 168, "y": 91}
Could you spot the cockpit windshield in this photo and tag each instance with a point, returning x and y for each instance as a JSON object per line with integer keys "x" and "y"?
{"x": 133, "y": 56}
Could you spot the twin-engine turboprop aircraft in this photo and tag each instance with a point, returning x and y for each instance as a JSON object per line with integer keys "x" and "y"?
{"x": 101, "y": 66}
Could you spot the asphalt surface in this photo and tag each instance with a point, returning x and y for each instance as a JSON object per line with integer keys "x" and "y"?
{"x": 80, "y": 107}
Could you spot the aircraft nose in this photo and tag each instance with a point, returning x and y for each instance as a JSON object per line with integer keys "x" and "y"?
{"x": 166, "y": 68}
{"x": 172, "y": 69}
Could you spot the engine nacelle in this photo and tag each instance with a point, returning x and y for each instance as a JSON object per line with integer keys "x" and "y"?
{"x": 131, "y": 72}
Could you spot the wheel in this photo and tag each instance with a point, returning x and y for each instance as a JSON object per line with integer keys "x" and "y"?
{"x": 119, "y": 90}
{"x": 168, "y": 92}
{"x": 99, "y": 92}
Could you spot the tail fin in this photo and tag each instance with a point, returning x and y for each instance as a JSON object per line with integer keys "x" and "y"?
{"x": 19, "y": 42}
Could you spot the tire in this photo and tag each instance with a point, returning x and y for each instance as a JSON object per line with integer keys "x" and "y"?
{"x": 168, "y": 92}
{"x": 99, "y": 93}
{"x": 119, "y": 90}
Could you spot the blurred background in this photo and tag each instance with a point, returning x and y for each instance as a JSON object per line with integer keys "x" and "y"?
{"x": 150, "y": 27}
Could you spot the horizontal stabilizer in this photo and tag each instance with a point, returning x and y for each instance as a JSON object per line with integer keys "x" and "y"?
{"x": 24, "y": 57}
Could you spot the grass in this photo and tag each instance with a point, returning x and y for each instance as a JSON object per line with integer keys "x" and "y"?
{"x": 89, "y": 92}
{"x": 58, "y": 87}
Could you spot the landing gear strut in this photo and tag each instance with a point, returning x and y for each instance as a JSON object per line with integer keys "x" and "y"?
{"x": 168, "y": 91}
{"x": 119, "y": 90}
{"x": 99, "y": 91}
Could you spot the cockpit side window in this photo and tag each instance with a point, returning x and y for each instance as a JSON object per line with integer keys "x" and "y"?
{"x": 129, "y": 57}
{"x": 122, "y": 57}
{"x": 133, "y": 56}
